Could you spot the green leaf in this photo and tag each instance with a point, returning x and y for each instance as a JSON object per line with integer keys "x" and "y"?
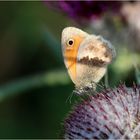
{"x": 52, "y": 78}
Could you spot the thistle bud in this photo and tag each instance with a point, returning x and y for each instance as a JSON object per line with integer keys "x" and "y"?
{"x": 111, "y": 114}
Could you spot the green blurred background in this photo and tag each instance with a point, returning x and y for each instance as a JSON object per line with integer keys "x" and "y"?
{"x": 34, "y": 83}
{"x": 35, "y": 86}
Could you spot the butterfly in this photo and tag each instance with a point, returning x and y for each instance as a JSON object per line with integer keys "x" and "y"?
{"x": 86, "y": 56}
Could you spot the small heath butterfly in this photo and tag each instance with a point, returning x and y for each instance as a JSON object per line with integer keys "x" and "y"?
{"x": 86, "y": 56}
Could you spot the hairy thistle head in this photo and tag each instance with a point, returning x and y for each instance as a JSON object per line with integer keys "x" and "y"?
{"x": 112, "y": 114}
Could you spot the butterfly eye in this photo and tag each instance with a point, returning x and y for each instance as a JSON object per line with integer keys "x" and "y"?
{"x": 70, "y": 42}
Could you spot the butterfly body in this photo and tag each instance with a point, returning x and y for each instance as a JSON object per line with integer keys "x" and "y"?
{"x": 86, "y": 56}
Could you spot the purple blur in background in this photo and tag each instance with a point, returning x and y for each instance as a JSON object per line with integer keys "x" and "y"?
{"x": 85, "y": 10}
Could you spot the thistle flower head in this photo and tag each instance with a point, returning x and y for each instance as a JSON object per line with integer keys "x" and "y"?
{"x": 112, "y": 114}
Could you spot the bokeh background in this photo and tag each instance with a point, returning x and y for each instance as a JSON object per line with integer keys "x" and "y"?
{"x": 35, "y": 89}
